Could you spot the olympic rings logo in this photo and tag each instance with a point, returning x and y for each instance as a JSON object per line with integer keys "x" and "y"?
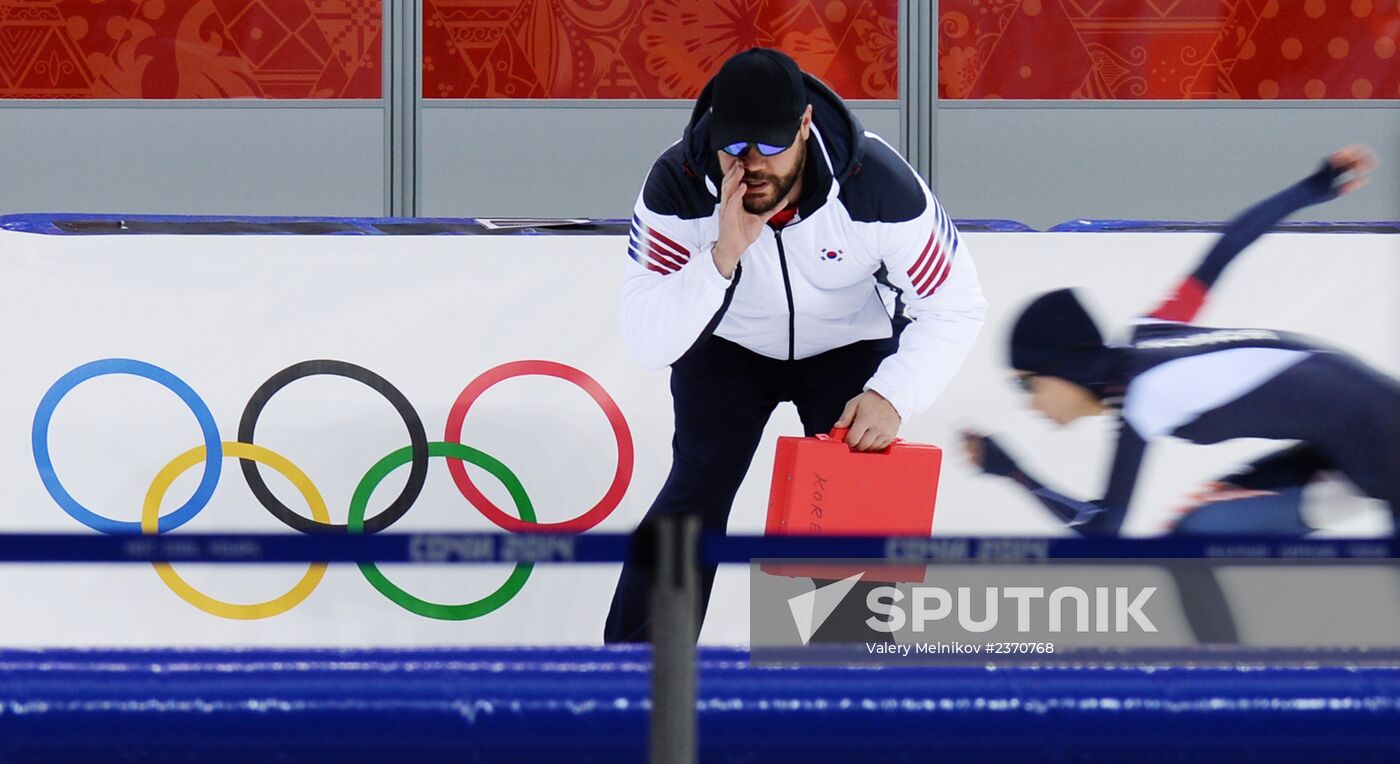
{"x": 416, "y": 454}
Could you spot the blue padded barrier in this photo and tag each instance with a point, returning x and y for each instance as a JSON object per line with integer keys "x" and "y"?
{"x": 78, "y": 224}
{"x": 590, "y": 705}
{"x": 478, "y": 547}
{"x": 1170, "y": 226}
{"x": 108, "y": 224}
{"x": 82, "y": 224}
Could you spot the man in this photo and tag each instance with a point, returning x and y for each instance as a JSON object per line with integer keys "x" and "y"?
{"x": 781, "y": 253}
{"x": 1208, "y": 385}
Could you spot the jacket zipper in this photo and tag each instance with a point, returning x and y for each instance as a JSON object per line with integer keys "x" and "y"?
{"x": 787, "y": 287}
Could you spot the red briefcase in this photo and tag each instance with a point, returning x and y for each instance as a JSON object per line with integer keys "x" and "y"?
{"x": 822, "y": 487}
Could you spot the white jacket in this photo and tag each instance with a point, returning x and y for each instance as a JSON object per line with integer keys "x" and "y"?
{"x": 870, "y": 241}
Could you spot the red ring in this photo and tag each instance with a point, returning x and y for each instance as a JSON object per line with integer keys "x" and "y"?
{"x": 621, "y": 479}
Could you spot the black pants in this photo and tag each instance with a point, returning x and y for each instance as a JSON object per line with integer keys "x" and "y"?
{"x": 723, "y": 396}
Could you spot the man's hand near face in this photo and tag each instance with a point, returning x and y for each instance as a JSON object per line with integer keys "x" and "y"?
{"x": 738, "y": 228}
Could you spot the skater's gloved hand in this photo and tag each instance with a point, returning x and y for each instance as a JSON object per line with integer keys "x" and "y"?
{"x": 988, "y": 456}
{"x": 1351, "y": 166}
{"x": 873, "y": 422}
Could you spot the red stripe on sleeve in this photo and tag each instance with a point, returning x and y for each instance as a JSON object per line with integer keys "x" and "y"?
{"x": 923, "y": 256}
{"x": 678, "y": 249}
{"x": 921, "y": 266}
{"x": 925, "y": 287}
{"x": 656, "y": 245}
{"x": 946, "y": 273}
{"x": 664, "y": 258}
{"x": 935, "y": 263}
{"x": 1184, "y": 304}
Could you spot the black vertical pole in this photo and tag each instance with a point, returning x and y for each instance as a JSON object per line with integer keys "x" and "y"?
{"x": 675, "y": 619}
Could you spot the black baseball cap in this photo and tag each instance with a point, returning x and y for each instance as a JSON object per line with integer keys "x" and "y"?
{"x": 757, "y": 97}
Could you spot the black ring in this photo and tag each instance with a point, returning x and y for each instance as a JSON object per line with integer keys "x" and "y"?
{"x": 417, "y": 438}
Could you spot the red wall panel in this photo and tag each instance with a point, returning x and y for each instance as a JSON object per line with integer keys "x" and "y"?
{"x": 159, "y": 49}
{"x": 1169, "y": 49}
{"x": 648, "y": 48}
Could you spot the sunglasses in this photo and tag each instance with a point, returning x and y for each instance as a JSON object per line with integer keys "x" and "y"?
{"x": 1025, "y": 382}
{"x": 742, "y": 147}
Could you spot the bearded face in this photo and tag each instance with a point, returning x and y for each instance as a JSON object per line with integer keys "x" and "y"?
{"x": 767, "y": 183}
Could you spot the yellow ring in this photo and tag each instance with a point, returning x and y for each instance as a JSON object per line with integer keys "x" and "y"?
{"x": 150, "y": 522}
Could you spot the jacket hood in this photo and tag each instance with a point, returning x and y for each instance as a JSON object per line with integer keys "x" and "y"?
{"x": 841, "y": 133}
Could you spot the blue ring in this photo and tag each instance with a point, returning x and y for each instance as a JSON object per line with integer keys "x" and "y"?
{"x": 212, "y": 444}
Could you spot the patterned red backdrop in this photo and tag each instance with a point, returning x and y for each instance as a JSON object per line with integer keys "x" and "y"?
{"x": 190, "y": 48}
{"x": 648, "y": 48}
{"x": 1172, "y": 49}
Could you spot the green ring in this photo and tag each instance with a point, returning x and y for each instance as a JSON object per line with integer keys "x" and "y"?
{"x": 416, "y": 605}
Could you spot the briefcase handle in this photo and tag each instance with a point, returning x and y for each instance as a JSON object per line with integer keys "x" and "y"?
{"x": 838, "y": 434}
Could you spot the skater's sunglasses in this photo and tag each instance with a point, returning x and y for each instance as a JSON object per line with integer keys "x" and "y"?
{"x": 1024, "y": 382}
{"x": 764, "y": 149}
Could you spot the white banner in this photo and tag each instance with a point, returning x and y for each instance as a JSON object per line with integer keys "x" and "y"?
{"x": 185, "y": 325}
